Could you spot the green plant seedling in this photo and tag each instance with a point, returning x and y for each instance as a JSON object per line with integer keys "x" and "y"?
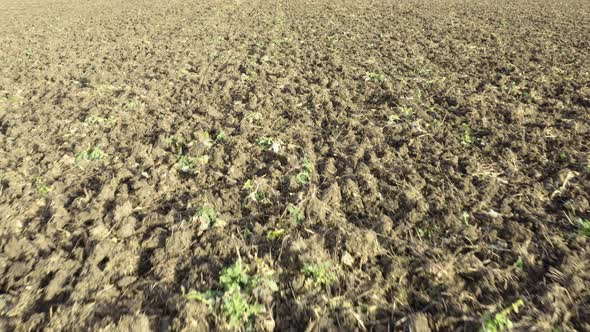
{"x": 44, "y": 190}
{"x": 304, "y": 176}
{"x": 209, "y": 297}
{"x": 406, "y": 111}
{"x": 237, "y": 310}
{"x": 519, "y": 263}
{"x": 378, "y": 78}
{"x": 98, "y": 120}
{"x": 501, "y": 320}
{"x": 207, "y": 218}
{"x": 176, "y": 143}
{"x": 275, "y": 234}
{"x": 584, "y": 227}
{"x": 467, "y": 138}
{"x": 221, "y": 137}
{"x": 319, "y": 274}
{"x": 282, "y": 41}
{"x": 188, "y": 165}
{"x": 392, "y": 118}
{"x": 267, "y": 143}
{"x": 236, "y": 301}
{"x": 256, "y": 193}
{"x": 90, "y": 154}
{"x": 295, "y": 213}
{"x": 235, "y": 276}
{"x": 466, "y": 217}
{"x": 132, "y": 105}
{"x": 253, "y": 117}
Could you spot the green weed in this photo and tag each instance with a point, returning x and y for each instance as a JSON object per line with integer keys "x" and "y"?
{"x": 319, "y": 274}
{"x": 275, "y": 234}
{"x": 378, "y": 78}
{"x": 133, "y": 105}
{"x": 207, "y": 218}
{"x": 256, "y": 193}
{"x": 295, "y": 213}
{"x": 467, "y": 138}
{"x": 267, "y": 143}
{"x": 221, "y": 137}
{"x": 97, "y": 120}
{"x": 466, "y": 217}
{"x": 209, "y": 297}
{"x": 177, "y": 144}
{"x": 406, "y": 111}
{"x": 519, "y": 263}
{"x": 236, "y": 302}
{"x": 12, "y": 99}
{"x": 584, "y": 227}
{"x": 83, "y": 82}
{"x": 237, "y": 310}
{"x": 203, "y": 138}
{"x": 188, "y": 165}
{"x": 44, "y": 190}
{"x": 282, "y": 41}
{"x": 90, "y": 154}
{"x": 501, "y": 320}
{"x": 304, "y": 176}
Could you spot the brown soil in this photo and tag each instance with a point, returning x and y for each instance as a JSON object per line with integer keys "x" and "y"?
{"x": 449, "y": 143}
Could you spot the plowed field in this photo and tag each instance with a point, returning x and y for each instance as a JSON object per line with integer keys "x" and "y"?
{"x": 287, "y": 165}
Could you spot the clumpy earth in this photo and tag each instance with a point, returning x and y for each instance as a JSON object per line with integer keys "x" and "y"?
{"x": 177, "y": 165}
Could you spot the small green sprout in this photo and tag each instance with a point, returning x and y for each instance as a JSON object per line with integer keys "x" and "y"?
{"x": 256, "y": 194}
{"x": 275, "y": 234}
{"x": 282, "y": 41}
{"x": 220, "y": 137}
{"x": 177, "y": 144}
{"x": 44, "y": 190}
{"x": 236, "y": 302}
{"x": 207, "y": 217}
{"x": 188, "y": 165}
{"x": 467, "y": 139}
{"x": 406, "y": 111}
{"x": 519, "y": 263}
{"x": 209, "y": 297}
{"x": 304, "y": 176}
{"x": 378, "y": 78}
{"x": 584, "y": 225}
{"x": 295, "y": 213}
{"x": 320, "y": 274}
{"x": 500, "y": 321}
{"x": 265, "y": 143}
{"x": 237, "y": 310}
{"x": 90, "y": 154}
{"x": 234, "y": 276}
{"x": 466, "y": 217}
{"x": 98, "y": 120}
{"x": 133, "y": 104}
{"x": 248, "y": 185}
{"x": 563, "y": 156}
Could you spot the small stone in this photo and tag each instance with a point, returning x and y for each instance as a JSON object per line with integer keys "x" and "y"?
{"x": 347, "y": 259}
